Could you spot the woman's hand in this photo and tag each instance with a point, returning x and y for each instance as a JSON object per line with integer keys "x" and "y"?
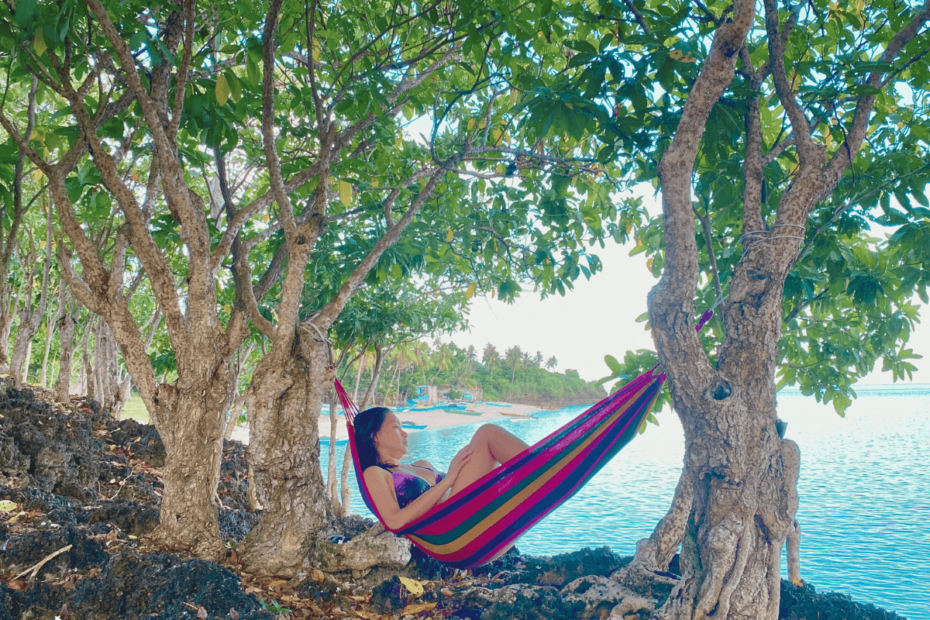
{"x": 460, "y": 460}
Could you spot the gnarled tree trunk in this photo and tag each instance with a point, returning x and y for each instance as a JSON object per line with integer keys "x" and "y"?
{"x": 284, "y": 402}
{"x": 190, "y": 423}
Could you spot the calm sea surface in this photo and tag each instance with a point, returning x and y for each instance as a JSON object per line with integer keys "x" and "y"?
{"x": 864, "y": 491}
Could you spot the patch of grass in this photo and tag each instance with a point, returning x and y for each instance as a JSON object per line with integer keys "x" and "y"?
{"x": 136, "y": 410}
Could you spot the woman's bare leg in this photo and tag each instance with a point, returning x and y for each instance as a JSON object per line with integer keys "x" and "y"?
{"x": 492, "y": 445}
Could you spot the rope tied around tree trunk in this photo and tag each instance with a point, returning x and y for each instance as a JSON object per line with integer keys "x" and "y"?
{"x": 762, "y": 235}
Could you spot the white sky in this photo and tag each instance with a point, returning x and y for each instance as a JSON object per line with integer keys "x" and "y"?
{"x": 598, "y": 318}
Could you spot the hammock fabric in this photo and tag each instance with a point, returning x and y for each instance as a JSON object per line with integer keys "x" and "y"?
{"x": 480, "y": 522}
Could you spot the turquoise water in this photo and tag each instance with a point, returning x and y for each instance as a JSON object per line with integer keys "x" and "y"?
{"x": 864, "y": 505}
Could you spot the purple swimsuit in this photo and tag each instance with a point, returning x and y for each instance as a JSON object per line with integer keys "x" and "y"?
{"x": 408, "y": 487}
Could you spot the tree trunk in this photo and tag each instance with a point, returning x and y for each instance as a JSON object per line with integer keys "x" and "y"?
{"x": 123, "y": 395}
{"x": 656, "y": 552}
{"x": 107, "y": 380}
{"x": 236, "y": 408}
{"x": 743, "y": 508}
{"x": 32, "y": 317}
{"x": 28, "y": 363}
{"x": 22, "y": 348}
{"x": 86, "y": 367}
{"x": 66, "y": 325}
{"x": 392, "y": 386}
{"x": 7, "y": 249}
{"x": 235, "y": 411}
{"x": 43, "y": 376}
{"x": 190, "y": 423}
{"x": 742, "y": 474}
{"x": 6, "y": 326}
{"x": 792, "y": 549}
{"x": 332, "y": 481}
{"x": 284, "y": 401}
{"x": 101, "y": 365}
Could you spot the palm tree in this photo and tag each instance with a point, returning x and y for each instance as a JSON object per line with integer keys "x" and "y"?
{"x": 551, "y": 363}
{"x": 490, "y": 357}
{"x": 513, "y": 357}
{"x": 443, "y": 358}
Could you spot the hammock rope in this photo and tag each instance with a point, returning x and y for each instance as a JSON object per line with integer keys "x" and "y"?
{"x": 483, "y": 520}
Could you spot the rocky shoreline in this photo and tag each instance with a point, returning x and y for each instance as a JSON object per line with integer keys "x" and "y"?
{"x": 80, "y": 491}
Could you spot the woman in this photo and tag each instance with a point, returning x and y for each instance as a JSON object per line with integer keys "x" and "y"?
{"x": 401, "y": 492}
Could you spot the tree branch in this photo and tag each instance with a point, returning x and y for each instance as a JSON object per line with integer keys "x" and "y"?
{"x": 273, "y": 163}
{"x": 808, "y": 151}
{"x": 181, "y": 79}
{"x": 331, "y": 311}
{"x": 671, "y": 302}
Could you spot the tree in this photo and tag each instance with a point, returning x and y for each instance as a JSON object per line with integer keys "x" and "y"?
{"x": 514, "y": 359}
{"x": 32, "y": 313}
{"x": 810, "y": 127}
{"x": 12, "y": 201}
{"x": 537, "y": 360}
{"x": 551, "y": 363}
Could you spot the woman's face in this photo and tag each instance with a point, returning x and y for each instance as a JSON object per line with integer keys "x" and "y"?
{"x": 391, "y": 439}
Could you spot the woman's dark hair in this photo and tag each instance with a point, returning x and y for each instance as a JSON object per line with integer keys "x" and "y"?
{"x": 367, "y": 424}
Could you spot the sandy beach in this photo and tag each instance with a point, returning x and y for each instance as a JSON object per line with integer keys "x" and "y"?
{"x": 433, "y": 419}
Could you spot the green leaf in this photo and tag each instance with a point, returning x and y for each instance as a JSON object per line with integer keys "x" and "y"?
{"x": 234, "y": 83}
{"x": 222, "y": 89}
{"x": 25, "y": 11}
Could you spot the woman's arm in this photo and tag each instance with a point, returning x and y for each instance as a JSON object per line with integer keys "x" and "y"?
{"x": 381, "y": 487}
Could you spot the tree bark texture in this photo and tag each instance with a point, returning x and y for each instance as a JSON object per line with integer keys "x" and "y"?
{"x": 191, "y": 425}
{"x": 6, "y": 327}
{"x": 793, "y": 551}
{"x": 67, "y": 320}
{"x": 284, "y": 402}
{"x": 86, "y": 388}
{"x": 106, "y": 375}
{"x": 43, "y": 374}
{"x": 235, "y": 410}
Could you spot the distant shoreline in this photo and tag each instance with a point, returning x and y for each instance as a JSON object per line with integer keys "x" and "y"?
{"x": 433, "y": 419}
{"x": 871, "y": 389}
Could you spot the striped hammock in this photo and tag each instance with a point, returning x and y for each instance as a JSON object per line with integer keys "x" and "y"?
{"x": 482, "y": 521}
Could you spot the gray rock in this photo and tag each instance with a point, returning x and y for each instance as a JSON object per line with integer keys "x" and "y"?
{"x": 52, "y": 466}
{"x": 630, "y": 605}
{"x": 599, "y": 593}
{"x": 375, "y": 547}
{"x": 13, "y": 463}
